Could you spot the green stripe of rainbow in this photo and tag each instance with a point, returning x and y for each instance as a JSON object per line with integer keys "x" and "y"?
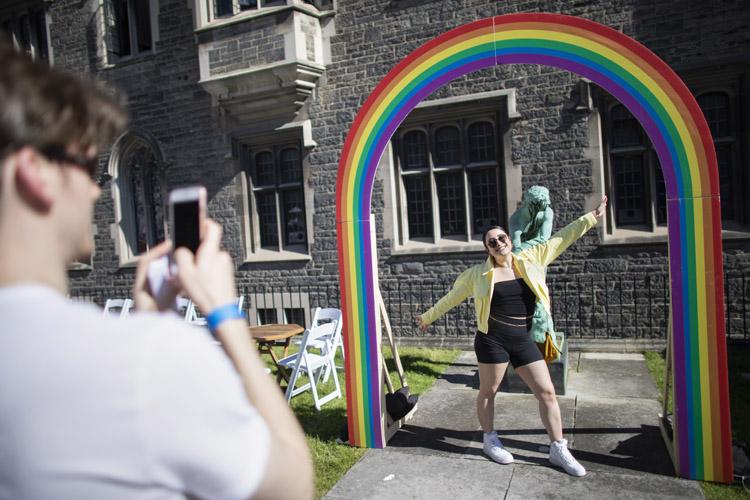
{"x": 668, "y": 112}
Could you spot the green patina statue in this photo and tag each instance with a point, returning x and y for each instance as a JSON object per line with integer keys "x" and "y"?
{"x": 531, "y": 224}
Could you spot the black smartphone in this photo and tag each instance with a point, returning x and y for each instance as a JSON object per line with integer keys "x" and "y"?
{"x": 187, "y": 209}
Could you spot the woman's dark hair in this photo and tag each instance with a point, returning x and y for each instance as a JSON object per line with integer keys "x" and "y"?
{"x": 486, "y": 231}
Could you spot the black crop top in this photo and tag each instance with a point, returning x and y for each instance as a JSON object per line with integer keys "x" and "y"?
{"x": 512, "y": 298}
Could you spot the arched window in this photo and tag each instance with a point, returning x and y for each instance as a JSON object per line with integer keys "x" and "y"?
{"x": 138, "y": 189}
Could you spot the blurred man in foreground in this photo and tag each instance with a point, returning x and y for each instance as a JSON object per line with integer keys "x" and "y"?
{"x": 92, "y": 407}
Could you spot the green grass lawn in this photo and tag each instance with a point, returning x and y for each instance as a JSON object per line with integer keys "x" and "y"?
{"x": 739, "y": 401}
{"x": 322, "y": 428}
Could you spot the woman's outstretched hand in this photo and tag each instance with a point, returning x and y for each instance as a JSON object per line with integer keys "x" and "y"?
{"x": 599, "y": 211}
{"x": 420, "y": 322}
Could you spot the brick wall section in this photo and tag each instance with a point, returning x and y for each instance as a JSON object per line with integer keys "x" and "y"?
{"x": 254, "y": 42}
{"x": 548, "y": 142}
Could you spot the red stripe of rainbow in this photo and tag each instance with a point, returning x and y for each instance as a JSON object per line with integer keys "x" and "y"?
{"x": 668, "y": 112}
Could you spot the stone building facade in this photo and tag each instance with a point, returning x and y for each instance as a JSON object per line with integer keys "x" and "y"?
{"x": 253, "y": 98}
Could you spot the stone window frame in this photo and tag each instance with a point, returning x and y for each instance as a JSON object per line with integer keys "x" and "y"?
{"x": 247, "y": 148}
{"x": 124, "y": 228}
{"x": 501, "y": 107}
{"x": 108, "y": 57}
{"x": 725, "y": 79}
{"x": 205, "y": 11}
{"x": 32, "y": 20}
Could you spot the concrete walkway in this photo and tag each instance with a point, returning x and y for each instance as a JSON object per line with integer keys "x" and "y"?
{"x": 609, "y": 418}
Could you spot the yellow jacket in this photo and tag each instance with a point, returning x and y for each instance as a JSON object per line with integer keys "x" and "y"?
{"x": 530, "y": 264}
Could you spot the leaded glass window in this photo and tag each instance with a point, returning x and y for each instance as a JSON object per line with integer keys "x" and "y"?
{"x": 636, "y": 179}
{"x": 447, "y": 146}
{"x": 224, "y": 8}
{"x": 449, "y": 179}
{"x": 277, "y": 196}
{"x": 484, "y": 199}
{"x": 630, "y": 187}
{"x": 639, "y": 200}
{"x": 128, "y": 28}
{"x": 138, "y": 186}
{"x": 141, "y": 172}
{"x": 27, "y": 30}
{"x": 482, "y": 142}
{"x": 415, "y": 150}
{"x": 419, "y": 205}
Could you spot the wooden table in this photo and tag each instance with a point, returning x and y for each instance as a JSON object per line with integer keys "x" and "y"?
{"x": 268, "y": 335}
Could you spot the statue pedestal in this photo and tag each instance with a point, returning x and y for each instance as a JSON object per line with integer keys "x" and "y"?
{"x": 558, "y": 370}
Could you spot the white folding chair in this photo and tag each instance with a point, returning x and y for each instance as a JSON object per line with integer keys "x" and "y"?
{"x": 313, "y": 365}
{"x": 323, "y": 316}
{"x": 113, "y": 305}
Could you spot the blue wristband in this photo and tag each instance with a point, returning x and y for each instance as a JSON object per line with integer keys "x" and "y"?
{"x": 222, "y": 314}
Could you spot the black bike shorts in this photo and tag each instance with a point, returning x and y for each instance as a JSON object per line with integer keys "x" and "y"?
{"x": 504, "y": 343}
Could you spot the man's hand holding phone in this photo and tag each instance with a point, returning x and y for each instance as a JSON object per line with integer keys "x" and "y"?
{"x": 154, "y": 288}
{"x": 208, "y": 276}
{"x": 159, "y": 280}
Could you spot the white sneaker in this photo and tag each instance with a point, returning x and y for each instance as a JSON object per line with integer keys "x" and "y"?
{"x": 493, "y": 448}
{"x": 560, "y": 455}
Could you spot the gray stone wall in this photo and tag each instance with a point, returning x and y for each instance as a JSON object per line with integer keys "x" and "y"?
{"x": 548, "y": 142}
{"x": 254, "y": 42}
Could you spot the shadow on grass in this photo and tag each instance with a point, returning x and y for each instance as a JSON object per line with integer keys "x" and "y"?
{"x": 418, "y": 365}
{"x": 325, "y": 424}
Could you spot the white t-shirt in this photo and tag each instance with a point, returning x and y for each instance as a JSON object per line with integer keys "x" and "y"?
{"x": 145, "y": 407}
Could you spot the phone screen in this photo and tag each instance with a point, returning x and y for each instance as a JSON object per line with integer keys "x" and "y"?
{"x": 186, "y": 221}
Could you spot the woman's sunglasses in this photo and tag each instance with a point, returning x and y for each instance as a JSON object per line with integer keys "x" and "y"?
{"x": 495, "y": 242}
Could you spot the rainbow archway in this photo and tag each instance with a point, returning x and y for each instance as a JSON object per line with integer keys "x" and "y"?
{"x": 670, "y": 115}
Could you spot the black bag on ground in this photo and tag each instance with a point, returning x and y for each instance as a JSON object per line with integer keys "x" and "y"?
{"x": 399, "y": 403}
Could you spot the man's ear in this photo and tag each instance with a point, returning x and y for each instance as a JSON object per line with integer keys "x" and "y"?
{"x": 32, "y": 178}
